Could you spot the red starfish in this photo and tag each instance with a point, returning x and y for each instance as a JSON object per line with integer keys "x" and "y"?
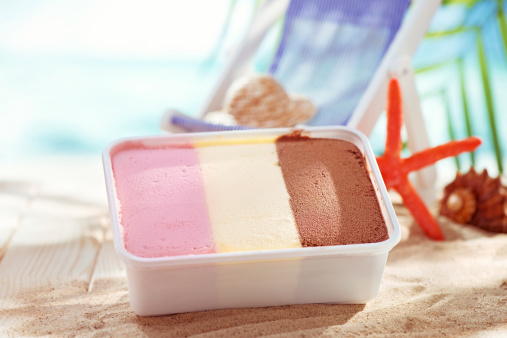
{"x": 395, "y": 169}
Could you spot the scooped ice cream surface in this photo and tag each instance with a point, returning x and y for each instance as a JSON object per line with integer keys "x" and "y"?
{"x": 161, "y": 201}
{"x": 248, "y": 204}
{"x": 246, "y": 195}
{"x": 331, "y": 194}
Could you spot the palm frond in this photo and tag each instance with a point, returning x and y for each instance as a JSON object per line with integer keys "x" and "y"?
{"x": 466, "y": 112}
{"x": 489, "y": 101}
{"x": 445, "y": 98}
{"x": 468, "y": 3}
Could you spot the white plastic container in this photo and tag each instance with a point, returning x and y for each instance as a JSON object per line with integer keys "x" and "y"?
{"x": 343, "y": 274}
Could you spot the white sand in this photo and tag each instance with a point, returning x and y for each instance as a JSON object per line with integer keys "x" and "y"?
{"x": 454, "y": 288}
{"x": 457, "y": 287}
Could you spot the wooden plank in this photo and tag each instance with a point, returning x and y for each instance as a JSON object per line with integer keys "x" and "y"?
{"x": 72, "y": 178}
{"x": 47, "y": 250}
{"x": 61, "y": 233}
{"x": 109, "y": 266}
{"x": 58, "y": 238}
{"x": 15, "y": 198}
{"x": 50, "y": 247}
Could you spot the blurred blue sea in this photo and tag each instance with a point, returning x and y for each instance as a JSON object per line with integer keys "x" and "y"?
{"x": 79, "y": 105}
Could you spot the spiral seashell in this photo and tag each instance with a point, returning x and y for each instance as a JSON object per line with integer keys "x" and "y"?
{"x": 460, "y": 206}
{"x": 477, "y": 199}
{"x": 260, "y": 101}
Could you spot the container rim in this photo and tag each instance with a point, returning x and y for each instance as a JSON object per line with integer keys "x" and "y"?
{"x": 245, "y": 256}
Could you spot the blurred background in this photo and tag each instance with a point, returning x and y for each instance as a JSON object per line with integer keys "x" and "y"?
{"x": 75, "y": 75}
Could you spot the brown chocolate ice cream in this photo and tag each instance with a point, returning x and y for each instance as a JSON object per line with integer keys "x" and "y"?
{"x": 331, "y": 194}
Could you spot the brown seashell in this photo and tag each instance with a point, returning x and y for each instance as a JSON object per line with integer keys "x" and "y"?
{"x": 460, "y": 205}
{"x": 260, "y": 101}
{"x": 490, "y": 197}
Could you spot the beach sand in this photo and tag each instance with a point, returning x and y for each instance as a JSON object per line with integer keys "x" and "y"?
{"x": 455, "y": 288}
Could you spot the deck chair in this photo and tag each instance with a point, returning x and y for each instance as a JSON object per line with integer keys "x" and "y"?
{"x": 341, "y": 54}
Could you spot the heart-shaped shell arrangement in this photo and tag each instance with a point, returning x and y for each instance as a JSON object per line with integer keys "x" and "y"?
{"x": 477, "y": 199}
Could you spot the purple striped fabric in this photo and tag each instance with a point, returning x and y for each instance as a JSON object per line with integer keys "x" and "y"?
{"x": 330, "y": 50}
{"x": 193, "y": 125}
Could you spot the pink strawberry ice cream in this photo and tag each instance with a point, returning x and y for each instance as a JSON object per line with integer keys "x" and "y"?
{"x": 163, "y": 208}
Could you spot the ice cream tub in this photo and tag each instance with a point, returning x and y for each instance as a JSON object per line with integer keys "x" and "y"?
{"x": 251, "y": 218}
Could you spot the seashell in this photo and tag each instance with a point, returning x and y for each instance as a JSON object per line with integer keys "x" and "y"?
{"x": 477, "y": 199}
{"x": 260, "y": 101}
{"x": 460, "y": 205}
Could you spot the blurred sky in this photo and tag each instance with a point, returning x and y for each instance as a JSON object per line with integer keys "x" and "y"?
{"x": 154, "y": 30}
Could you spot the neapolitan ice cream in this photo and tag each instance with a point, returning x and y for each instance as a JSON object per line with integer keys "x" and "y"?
{"x": 258, "y": 194}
